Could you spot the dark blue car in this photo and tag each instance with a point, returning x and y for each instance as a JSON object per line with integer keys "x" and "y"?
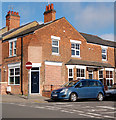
{"x": 85, "y": 88}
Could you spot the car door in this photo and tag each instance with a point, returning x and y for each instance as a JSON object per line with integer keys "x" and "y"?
{"x": 92, "y": 89}
{"x": 82, "y": 89}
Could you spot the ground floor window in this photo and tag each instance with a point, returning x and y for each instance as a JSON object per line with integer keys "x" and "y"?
{"x": 109, "y": 78}
{"x": 14, "y": 76}
{"x": 70, "y": 74}
{"x": 80, "y": 73}
{"x": 101, "y": 76}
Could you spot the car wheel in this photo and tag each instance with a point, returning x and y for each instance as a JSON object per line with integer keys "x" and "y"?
{"x": 73, "y": 97}
{"x": 100, "y": 97}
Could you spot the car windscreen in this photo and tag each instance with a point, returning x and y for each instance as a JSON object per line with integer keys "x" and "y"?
{"x": 70, "y": 84}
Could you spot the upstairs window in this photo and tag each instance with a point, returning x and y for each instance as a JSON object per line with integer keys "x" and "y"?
{"x": 55, "y": 45}
{"x": 104, "y": 54}
{"x": 75, "y": 48}
{"x": 12, "y": 47}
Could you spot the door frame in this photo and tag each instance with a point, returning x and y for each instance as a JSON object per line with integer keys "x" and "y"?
{"x": 34, "y": 65}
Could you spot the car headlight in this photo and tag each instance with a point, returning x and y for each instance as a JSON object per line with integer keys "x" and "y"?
{"x": 64, "y": 91}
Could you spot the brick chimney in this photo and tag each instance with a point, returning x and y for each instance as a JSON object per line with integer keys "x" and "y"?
{"x": 50, "y": 13}
{"x": 12, "y": 20}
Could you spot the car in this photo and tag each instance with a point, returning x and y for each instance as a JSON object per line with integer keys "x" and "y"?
{"x": 111, "y": 92}
{"x": 84, "y": 88}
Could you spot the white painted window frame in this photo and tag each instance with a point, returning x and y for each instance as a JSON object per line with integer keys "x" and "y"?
{"x": 81, "y": 68}
{"x": 75, "y": 42}
{"x": 12, "y": 75}
{"x": 105, "y": 48}
{"x": 99, "y": 74}
{"x": 54, "y": 38}
{"x": 13, "y": 46}
{"x": 72, "y": 73}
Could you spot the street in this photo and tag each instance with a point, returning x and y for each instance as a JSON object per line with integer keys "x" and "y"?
{"x": 79, "y": 109}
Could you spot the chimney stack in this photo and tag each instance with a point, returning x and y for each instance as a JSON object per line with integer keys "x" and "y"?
{"x": 12, "y": 20}
{"x": 49, "y": 14}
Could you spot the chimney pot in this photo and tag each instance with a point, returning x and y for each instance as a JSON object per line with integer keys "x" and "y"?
{"x": 46, "y": 8}
{"x": 49, "y": 7}
{"x": 52, "y": 6}
{"x": 14, "y": 13}
{"x": 8, "y": 12}
{"x": 17, "y": 13}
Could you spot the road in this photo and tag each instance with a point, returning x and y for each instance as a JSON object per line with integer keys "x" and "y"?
{"x": 81, "y": 109}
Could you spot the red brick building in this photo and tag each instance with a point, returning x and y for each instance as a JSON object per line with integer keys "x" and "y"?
{"x": 58, "y": 52}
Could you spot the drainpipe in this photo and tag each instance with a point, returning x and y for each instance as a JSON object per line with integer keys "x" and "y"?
{"x": 22, "y": 65}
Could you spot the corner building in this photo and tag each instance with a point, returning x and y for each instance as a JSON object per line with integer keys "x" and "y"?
{"x": 58, "y": 52}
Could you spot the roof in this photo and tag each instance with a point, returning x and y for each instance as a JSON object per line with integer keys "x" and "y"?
{"x": 97, "y": 40}
{"x": 88, "y": 63}
{"x": 30, "y": 29}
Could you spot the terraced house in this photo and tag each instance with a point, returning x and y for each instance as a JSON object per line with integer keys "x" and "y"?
{"x": 58, "y": 52}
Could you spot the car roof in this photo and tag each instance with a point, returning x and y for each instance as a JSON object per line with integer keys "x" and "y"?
{"x": 86, "y": 80}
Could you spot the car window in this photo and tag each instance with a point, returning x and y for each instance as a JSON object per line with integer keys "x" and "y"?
{"x": 98, "y": 84}
{"x": 82, "y": 84}
{"x": 92, "y": 83}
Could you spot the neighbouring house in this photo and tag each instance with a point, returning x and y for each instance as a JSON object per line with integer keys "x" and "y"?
{"x": 58, "y": 52}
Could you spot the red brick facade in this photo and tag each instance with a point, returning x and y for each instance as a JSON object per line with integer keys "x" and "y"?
{"x": 37, "y": 48}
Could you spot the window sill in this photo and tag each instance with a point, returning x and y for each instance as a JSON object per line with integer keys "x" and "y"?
{"x": 104, "y": 60}
{"x": 12, "y": 56}
{"x": 76, "y": 57}
{"x": 14, "y": 84}
{"x": 57, "y": 54}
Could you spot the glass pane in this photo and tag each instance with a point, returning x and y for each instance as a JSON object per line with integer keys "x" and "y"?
{"x": 14, "y": 51}
{"x": 17, "y": 71}
{"x": 111, "y": 82}
{"x": 107, "y": 74}
{"x": 101, "y": 80}
{"x": 35, "y": 68}
{"x": 11, "y": 71}
{"x": 55, "y": 43}
{"x": 73, "y": 52}
{"x": 77, "y": 46}
{"x": 72, "y": 45}
{"x": 108, "y": 83}
{"x": 78, "y": 73}
{"x": 70, "y": 79}
{"x": 84, "y": 83}
{"x": 77, "y": 53}
{"x": 10, "y": 45}
{"x": 103, "y": 50}
{"x": 103, "y": 56}
{"x": 70, "y": 72}
{"x": 11, "y": 80}
{"x": 17, "y": 80}
{"x": 111, "y": 74}
{"x": 55, "y": 49}
{"x": 10, "y": 52}
{"x": 82, "y": 72}
{"x": 100, "y": 72}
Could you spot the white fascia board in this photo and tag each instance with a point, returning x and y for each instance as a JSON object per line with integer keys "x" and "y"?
{"x": 80, "y": 66}
{"x": 75, "y": 41}
{"x": 14, "y": 65}
{"x": 70, "y": 66}
{"x": 53, "y": 63}
{"x": 54, "y": 37}
{"x": 12, "y": 40}
{"x": 36, "y": 64}
{"x": 110, "y": 69}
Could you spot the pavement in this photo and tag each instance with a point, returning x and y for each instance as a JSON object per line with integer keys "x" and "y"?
{"x": 23, "y": 99}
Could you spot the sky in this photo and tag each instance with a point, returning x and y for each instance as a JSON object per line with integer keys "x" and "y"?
{"x": 96, "y": 18}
